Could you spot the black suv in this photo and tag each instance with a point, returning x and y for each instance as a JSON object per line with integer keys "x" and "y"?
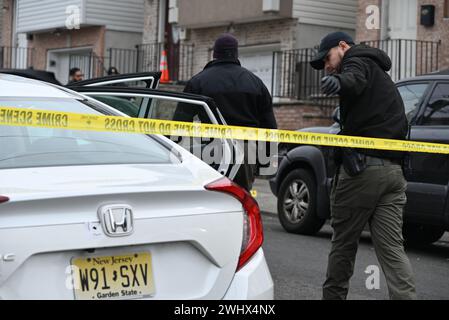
{"x": 302, "y": 184}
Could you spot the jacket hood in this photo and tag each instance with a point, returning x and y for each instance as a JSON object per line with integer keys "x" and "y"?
{"x": 364, "y": 51}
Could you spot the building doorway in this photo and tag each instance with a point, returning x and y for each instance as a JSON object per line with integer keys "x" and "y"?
{"x": 60, "y": 61}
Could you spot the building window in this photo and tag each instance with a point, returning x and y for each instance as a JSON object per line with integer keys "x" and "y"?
{"x": 446, "y": 9}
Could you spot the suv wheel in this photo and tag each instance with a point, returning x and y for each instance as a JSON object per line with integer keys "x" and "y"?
{"x": 421, "y": 235}
{"x": 297, "y": 203}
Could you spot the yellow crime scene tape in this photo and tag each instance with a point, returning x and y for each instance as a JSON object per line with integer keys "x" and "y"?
{"x": 74, "y": 121}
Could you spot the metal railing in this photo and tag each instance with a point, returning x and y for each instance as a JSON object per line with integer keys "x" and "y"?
{"x": 91, "y": 64}
{"x": 150, "y": 56}
{"x": 409, "y": 58}
{"x": 294, "y": 78}
{"x": 181, "y": 63}
{"x": 180, "y": 59}
{"x": 147, "y": 57}
{"x": 143, "y": 58}
{"x": 16, "y": 57}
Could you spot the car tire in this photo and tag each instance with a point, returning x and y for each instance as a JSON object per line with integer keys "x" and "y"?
{"x": 421, "y": 234}
{"x": 297, "y": 202}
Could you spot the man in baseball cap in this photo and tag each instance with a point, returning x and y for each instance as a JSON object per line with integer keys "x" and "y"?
{"x": 369, "y": 185}
{"x": 330, "y": 41}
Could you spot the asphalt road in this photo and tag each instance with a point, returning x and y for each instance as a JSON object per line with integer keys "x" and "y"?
{"x": 298, "y": 263}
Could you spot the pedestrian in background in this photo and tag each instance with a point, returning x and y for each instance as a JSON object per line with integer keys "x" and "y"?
{"x": 112, "y": 71}
{"x": 369, "y": 185}
{"x": 75, "y": 75}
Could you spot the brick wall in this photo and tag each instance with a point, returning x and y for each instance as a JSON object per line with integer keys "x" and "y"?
{"x": 84, "y": 37}
{"x": 2, "y": 2}
{"x": 295, "y": 116}
{"x": 8, "y": 6}
{"x": 362, "y": 33}
{"x": 440, "y": 31}
{"x": 151, "y": 21}
{"x": 281, "y": 32}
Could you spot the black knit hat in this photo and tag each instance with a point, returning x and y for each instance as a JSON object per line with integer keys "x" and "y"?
{"x": 226, "y": 47}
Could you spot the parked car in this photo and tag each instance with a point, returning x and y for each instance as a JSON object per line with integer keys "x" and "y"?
{"x": 99, "y": 215}
{"x": 136, "y": 95}
{"x": 303, "y": 181}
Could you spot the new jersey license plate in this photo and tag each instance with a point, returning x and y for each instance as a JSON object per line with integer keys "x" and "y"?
{"x": 113, "y": 277}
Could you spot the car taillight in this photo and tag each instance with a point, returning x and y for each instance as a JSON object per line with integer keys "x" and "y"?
{"x": 3, "y": 199}
{"x": 252, "y": 223}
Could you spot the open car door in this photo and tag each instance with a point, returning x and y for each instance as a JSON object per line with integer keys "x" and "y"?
{"x": 164, "y": 105}
{"x": 133, "y": 80}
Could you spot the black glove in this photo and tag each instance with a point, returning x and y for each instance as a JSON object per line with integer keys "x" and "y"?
{"x": 330, "y": 85}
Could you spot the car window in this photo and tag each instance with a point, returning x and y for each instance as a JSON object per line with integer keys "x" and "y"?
{"x": 156, "y": 108}
{"x": 209, "y": 150}
{"x": 42, "y": 147}
{"x": 128, "y": 105}
{"x": 437, "y": 110}
{"x": 172, "y": 109}
{"x": 144, "y": 82}
{"x": 412, "y": 94}
{"x": 165, "y": 109}
{"x": 127, "y": 83}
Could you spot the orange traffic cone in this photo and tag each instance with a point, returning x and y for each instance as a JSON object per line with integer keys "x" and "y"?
{"x": 165, "y": 78}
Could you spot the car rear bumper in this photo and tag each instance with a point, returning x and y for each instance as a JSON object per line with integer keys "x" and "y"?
{"x": 253, "y": 281}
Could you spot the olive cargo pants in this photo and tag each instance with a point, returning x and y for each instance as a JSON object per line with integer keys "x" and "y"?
{"x": 376, "y": 196}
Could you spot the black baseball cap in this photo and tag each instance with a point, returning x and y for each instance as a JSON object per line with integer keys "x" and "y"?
{"x": 328, "y": 42}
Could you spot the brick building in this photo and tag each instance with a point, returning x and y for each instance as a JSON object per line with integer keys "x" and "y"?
{"x": 262, "y": 28}
{"x": 59, "y": 34}
{"x": 11, "y": 45}
{"x": 417, "y": 46}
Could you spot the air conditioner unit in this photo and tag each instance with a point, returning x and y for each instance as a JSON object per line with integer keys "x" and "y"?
{"x": 271, "y": 5}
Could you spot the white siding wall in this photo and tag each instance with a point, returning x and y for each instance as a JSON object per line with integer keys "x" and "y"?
{"x": 120, "y": 15}
{"x": 332, "y": 13}
{"x": 116, "y": 15}
{"x": 43, "y": 14}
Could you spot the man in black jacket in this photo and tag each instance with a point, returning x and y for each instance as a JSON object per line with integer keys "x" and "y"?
{"x": 240, "y": 95}
{"x": 369, "y": 186}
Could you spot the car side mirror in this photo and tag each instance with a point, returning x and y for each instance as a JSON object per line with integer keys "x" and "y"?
{"x": 336, "y": 115}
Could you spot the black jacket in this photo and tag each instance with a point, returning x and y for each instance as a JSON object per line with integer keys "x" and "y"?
{"x": 241, "y": 96}
{"x": 370, "y": 104}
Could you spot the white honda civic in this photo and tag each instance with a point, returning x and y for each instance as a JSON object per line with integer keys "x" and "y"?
{"x": 95, "y": 215}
